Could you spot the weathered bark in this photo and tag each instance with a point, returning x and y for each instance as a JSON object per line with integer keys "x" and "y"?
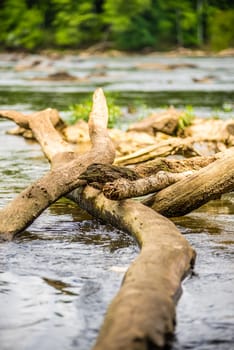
{"x": 103, "y": 173}
{"x": 206, "y": 184}
{"x": 124, "y": 188}
{"x": 143, "y": 312}
{"x": 174, "y": 165}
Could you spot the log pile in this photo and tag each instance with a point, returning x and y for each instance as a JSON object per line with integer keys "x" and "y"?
{"x": 142, "y": 315}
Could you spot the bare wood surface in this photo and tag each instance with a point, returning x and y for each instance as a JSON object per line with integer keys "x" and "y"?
{"x": 23, "y": 120}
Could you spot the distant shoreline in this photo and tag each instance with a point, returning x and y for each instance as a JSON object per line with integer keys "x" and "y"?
{"x": 95, "y": 51}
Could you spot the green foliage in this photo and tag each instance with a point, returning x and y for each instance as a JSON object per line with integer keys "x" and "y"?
{"x": 74, "y": 22}
{"x": 82, "y": 111}
{"x": 186, "y": 118}
{"x": 16, "y": 23}
{"x": 221, "y": 29}
{"x": 128, "y": 25}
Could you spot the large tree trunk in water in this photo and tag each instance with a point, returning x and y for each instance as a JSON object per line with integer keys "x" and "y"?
{"x": 143, "y": 313}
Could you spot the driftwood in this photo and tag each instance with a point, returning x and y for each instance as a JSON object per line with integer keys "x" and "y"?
{"x": 143, "y": 313}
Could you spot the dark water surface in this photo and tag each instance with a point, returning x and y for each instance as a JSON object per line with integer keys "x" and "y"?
{"x": 57, "y": 278}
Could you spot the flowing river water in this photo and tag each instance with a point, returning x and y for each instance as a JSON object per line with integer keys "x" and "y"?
{"x": 58, "y": 277}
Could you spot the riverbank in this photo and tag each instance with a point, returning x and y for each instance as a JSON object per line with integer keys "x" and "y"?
{"x": 97, "y": 50}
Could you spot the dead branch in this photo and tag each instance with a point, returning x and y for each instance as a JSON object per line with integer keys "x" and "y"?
{"x": 24, "y": 120}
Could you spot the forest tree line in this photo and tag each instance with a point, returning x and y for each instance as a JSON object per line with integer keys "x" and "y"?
{"x": 129, "y": 25}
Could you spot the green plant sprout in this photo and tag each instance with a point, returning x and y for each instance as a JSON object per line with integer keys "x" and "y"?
{"x": 186, "y": 118}
{"x": 82, "y": 111}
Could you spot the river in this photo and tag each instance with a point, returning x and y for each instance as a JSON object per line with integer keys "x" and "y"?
{"x": 58, "y": 277}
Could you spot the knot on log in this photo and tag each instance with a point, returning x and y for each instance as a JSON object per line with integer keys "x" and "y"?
{"x": 97, "y": 174}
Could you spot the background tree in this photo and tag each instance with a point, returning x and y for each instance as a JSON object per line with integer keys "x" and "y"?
{"x": 127, "y": 25}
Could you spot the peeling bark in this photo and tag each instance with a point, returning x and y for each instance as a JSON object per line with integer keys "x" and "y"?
{"x": 174, "y": 165}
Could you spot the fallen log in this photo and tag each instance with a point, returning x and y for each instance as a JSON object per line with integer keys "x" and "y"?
{"x": 158, "y": 237}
